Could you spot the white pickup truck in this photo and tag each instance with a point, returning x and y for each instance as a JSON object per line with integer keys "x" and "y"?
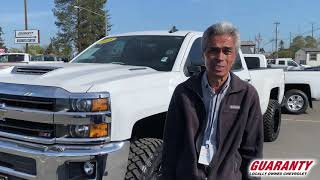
{"x": 10, "y": 59}
{"x": 102, "y": 115}
{"x": 13, "y": 59}
{"x": 301, "y": 87}
{"x": 285, "y": 63}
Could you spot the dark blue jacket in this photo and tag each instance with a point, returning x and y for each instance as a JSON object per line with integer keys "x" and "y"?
{"x": 240, "y": 133}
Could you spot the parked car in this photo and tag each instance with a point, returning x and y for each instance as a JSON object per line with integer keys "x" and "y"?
{"x": 49, "y": 58}
{"x": 285, "y": 63}
{"x": 301, "y": 87}
{"x": 12, "y": 59}
{"x": 101, "y": 116}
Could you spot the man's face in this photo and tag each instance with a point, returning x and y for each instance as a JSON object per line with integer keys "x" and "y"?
{"x": 219, "y": 55}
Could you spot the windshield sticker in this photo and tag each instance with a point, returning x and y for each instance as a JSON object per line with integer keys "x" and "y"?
{"x": 104, "y": 41}
{"x": 164, "y": 59}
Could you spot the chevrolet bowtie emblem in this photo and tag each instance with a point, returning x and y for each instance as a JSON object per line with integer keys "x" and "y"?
{"x": 28, "y": 94}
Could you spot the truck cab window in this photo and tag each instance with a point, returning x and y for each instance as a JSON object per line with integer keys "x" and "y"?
{"x": 252, "y": 62}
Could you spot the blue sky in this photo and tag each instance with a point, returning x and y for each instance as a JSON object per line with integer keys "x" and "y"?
{"x": 250, "y": 16}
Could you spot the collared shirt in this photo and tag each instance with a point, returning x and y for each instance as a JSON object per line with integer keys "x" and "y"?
{"x": 212, "y": 101}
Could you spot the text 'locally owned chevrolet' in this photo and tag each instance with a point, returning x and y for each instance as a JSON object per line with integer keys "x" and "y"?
{"x": 101, "y": 116}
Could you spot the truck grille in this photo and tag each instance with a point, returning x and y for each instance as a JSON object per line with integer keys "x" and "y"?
{"x": 27, "y": 128}
{"x": 28, "y": 102}
{"x": 18, "y": 163}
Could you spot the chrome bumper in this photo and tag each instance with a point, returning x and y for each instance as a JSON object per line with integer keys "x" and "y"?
{"x": 50, "y": 160}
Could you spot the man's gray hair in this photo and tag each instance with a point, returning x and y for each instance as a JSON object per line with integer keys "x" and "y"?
{"x": 220, "y": 28}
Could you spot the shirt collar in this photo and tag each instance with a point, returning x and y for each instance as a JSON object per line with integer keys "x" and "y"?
{"x": 206, "y": 85}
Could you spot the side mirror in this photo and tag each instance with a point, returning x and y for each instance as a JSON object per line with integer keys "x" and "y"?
{"x": 65, "y": 60}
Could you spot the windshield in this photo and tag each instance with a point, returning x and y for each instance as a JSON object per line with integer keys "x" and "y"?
{"x": 157, "y": 52}
{"x": 292, "y": 63}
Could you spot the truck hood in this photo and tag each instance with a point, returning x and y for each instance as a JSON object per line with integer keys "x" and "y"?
{"x": 73, "y": 77}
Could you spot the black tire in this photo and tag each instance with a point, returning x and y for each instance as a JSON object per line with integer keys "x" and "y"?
{"x": 296, "y": 102}
{"x": 144, "y": 159}
{"x": 272, "y": 121}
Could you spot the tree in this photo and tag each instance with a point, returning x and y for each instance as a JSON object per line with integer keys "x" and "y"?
{"x": 2, "y": 46}
{"x": 310, "y": 42}
{"x": 58, "y": 47}
{"x": 80, "y": 27}
{"x": 297, "y": 43}
{"x": 281, "y": 45}
{"x": 286, "y": 53}
{"x": 16, "y": 50}
{"x": 35, "y": 49}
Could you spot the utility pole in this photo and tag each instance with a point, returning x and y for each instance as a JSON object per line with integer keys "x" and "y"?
{"x": 312, "y": 29}
{"x": 25, "y": 21}
{"x": 276, "y": 50}
{"x": 258, "y": 40}
{"x": 290, "y": 41}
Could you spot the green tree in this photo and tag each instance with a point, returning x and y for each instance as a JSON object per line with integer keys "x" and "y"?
{"x": 2, "y": 40}
{"x": 286, "y": 53}
{"x": 80, "y": 27}
{"x": 16, "y": 50}
{"x": 59, "y": 47}
{"x": 281, "y": 45}
{"x": 310, "y": 42}
{"x": 35, "y": 49}
{"x": 297, "y": 43}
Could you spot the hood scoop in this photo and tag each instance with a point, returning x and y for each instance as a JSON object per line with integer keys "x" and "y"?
{"x": 33, "y": 70}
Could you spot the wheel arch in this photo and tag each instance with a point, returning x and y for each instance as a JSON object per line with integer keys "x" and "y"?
{"x": 302, "y": 87}
{"x": 149, "y": 127}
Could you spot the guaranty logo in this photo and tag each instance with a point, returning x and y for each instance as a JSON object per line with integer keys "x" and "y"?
{"x": 283, "y": 168}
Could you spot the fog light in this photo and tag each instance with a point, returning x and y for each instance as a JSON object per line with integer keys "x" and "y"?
{"x": 79, "y": 131}
{"x": 88, "y": 168}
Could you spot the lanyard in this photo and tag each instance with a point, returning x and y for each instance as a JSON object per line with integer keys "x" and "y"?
{"x": 212, "y": 115}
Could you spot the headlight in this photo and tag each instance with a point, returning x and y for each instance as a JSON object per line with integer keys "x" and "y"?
{"x": 89, "y": 105}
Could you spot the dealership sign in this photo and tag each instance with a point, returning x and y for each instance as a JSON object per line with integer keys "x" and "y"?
{"x": 27, "y": 36}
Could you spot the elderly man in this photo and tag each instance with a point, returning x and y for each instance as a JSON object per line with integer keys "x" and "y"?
{"x": 214, "y": 125}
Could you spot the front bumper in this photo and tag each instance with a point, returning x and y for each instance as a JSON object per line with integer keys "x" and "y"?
{"x": 51, "y": 161}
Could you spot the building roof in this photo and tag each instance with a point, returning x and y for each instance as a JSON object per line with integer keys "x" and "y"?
{"x": 246, "y": 50}
{"x": 311, "y": 49}
{"x": 248, "y": 43}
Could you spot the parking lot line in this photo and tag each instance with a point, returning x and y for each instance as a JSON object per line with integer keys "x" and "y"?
{"x": 301, "y": 120}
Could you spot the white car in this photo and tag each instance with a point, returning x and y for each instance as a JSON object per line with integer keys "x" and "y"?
{"x": 285, "y": 63}
{"x": 105, "y": 111}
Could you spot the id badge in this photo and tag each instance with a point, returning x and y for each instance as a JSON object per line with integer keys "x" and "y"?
{"x": 204, "y": 157}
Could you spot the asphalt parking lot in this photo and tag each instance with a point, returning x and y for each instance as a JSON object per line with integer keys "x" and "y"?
{"x": 299, "y": 138}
